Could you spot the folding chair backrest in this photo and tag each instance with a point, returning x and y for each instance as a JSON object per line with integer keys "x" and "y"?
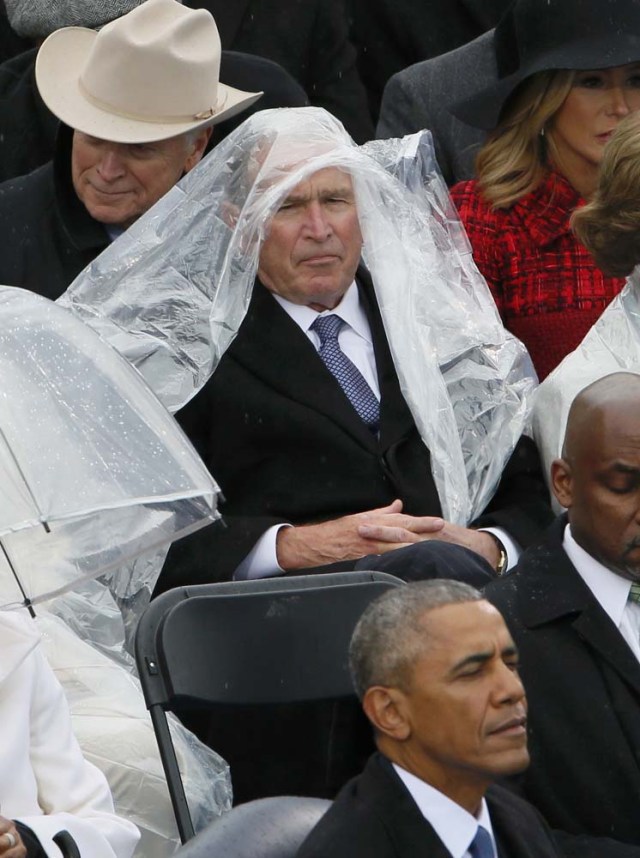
{"x": 274, "y": 641}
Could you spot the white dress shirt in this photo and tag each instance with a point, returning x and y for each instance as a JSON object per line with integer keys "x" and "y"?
{"x": 610, "y": 590}
{"x": 454, "y": 825}
{"x": 356, "y": 342}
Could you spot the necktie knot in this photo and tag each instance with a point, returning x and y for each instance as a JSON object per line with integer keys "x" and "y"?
{"x": 327, "y": 328}
{"x": 634, "y": 593}
{"x": 482, "y": 845}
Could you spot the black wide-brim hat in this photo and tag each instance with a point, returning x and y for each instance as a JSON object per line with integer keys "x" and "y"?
{"x": 538, "y": 35}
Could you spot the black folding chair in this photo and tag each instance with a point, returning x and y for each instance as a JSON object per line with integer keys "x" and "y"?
{"x": 271, "y": 641}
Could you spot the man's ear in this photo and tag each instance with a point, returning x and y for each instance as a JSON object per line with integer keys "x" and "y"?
{"x": 385, "y": 708}
{"x": 197, "y": 148}
{"x": 562, "y": 482}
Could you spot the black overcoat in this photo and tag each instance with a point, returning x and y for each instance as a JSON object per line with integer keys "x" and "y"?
{"x": 308, "y": 38}
{"x": 583, "y": 686}
{"x": 47, "y": 235}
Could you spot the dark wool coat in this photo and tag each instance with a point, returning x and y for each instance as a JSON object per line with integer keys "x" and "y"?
{"x": 583, "y": 687}
{"x": 27, "y": 127}
{"x": 393, "y": 34}
{"x": 47, "y": 235}
{"x": 309, "y": 39}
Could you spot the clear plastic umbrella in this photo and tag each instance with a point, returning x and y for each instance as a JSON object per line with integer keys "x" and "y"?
{"x": 94, "y": 470}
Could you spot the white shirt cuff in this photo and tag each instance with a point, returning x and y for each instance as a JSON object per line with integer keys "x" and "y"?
{"x": 262, "y": 560}
{"x": 511, "y": 547}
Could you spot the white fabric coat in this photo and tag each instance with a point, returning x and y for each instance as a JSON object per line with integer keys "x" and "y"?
{"x": 45, "y": 782}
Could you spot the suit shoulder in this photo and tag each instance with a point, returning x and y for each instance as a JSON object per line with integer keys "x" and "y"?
{"x": 505, "y": 595}
{"x": 409, "y": 102}
{"x": 353, "y": 827}
{"x": 353, "y": 832}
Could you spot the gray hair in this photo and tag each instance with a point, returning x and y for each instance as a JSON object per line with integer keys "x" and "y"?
{"x": 391, "y": 634}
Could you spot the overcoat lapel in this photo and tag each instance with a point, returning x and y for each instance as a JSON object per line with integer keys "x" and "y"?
{"x": 405, "y": 825}
{"x": 620, "y": 671}
{"x": 563, "y": 594}
{"x": 485, "y": 13}
{"x": 597, "y": 630}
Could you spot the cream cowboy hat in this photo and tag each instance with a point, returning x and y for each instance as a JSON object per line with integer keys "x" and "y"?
{"x": 147, "y": 76}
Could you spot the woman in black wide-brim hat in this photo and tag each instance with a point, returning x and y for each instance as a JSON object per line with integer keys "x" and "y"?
{"x": 568, "y": 72}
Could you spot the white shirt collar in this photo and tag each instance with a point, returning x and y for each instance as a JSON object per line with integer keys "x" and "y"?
{"x": 609, "y": 589}
{"x": 455, "y": 826}
{"x": 349, "y": 309}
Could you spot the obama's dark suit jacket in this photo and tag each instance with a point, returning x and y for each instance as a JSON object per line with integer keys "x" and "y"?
{"x": 374, "y": 816}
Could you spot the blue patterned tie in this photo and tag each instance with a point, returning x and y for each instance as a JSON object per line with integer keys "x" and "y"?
{"x": 482, "y": 845}
{"x": 346, "y": 373}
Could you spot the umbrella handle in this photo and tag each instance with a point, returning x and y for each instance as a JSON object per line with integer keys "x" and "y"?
{"x": 27, "y": 601}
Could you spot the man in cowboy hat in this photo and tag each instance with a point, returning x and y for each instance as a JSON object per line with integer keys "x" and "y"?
{"x": 28, "y": 129}
{"x": 137, "y": 100}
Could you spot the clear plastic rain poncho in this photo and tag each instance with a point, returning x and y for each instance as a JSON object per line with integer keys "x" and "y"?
{"x": 611, "y": 345}
{"x": 171, "y": 293}
{"x": 97, "y": 474}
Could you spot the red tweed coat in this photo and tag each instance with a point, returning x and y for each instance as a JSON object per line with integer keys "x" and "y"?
{"x": 545, "y": 283}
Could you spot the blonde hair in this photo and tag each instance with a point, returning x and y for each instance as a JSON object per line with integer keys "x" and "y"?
{"x": 609, "y": 226}
{"x": 515, "y": 157}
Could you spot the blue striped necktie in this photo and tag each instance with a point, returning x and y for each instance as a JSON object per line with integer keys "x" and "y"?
{"x": 346, "y": 373}
{"x": 482, "y": 845}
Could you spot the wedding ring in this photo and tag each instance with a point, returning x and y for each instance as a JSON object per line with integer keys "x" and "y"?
{"x": 11, "y": 840}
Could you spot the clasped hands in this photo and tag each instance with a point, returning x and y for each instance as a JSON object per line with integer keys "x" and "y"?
{"x": 375, "y": 531}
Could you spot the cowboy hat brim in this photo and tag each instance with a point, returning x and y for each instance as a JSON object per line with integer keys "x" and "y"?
{"x": 483, "y": 109}
{"x": 59, "y": 66}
